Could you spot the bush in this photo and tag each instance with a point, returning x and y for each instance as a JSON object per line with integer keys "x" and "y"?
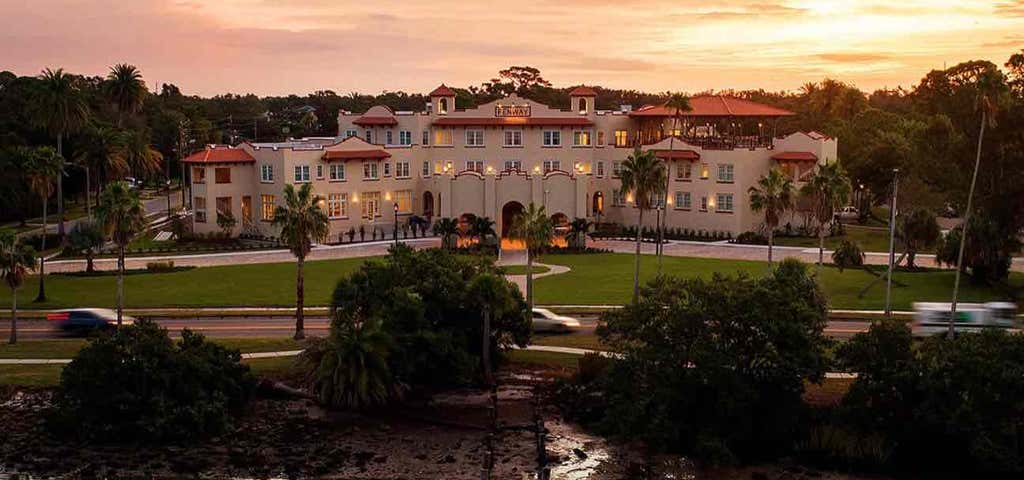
{"x": 138, "y": 385}
{"x": 751, "y": 342}
{"x": 847, "y": 255}
{"x": 160, "y": 267}
{"x": 988, "y": 253}
{"x": 751, "y": 238}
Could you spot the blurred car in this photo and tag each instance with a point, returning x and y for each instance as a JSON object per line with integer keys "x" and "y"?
{"x": 545, "y": 320}
{"x": 848, "y": 212}
{"x": 932, "y": 318}
{"x": 133, "y": 182}
{"x": 86, "y": 321}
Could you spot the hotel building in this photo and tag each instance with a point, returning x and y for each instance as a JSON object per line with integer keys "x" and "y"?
{"x": 494, "y": 159}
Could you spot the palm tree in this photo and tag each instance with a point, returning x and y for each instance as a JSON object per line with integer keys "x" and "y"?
{"x": 16, "y": 260}
{"x": 60, "y": 108}
{"x": 679, "y": 103}
{"x": 533, "y": 227}
{"x": 578, "y": 229}
{"x": 302, "y": 222}
{"x": 86, "y": 237}
{"x": 917, "y": 229}
{"x": 122, "y": 216}
{"x": 828, "y": 188}
{"x": 491, "y": 292}
{"x": 772, "y": 195}
{"x": 448, "y": 230}
{"x": 139, "y": 154}
{"x": 643, "y": 175}
{"x": 43, "y": 167}
{"x": 309, "y": 121}
{"x": 103, "y": 152}
{"x": 349, "y": 369}
{"x": 482, "y": 228}
{"x": 125, "y": 89}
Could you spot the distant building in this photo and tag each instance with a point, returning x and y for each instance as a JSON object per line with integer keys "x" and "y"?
{"x": 494, "y": 159}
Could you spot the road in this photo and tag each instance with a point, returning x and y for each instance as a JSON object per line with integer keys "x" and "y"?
{"x": 270, "y": 327}
{"x": 155, "y": 204}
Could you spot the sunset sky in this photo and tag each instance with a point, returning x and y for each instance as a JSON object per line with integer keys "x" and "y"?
{"x": 292, "y": 46}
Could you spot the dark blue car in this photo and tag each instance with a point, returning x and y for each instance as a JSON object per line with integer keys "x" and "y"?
{"x": 86, "y": 321}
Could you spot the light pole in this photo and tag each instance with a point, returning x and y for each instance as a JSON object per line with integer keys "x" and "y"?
{"x": 396, "y": 224}
{"x": 892, "y": 242}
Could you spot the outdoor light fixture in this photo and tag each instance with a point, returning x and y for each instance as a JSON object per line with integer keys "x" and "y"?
{"x": 490, "y": 169}
{"x": 536, "y": 169}
{"x": 668, "y": 200}
{"x": 387, "y": 196}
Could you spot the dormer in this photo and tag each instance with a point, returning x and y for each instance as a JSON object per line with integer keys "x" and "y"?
{"x": 442, "y": 100}
{"x": 581, "y": 100}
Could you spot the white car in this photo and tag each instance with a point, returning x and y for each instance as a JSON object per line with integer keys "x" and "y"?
{"x": 848, "y": 213}
{"x": 932, "y": 318}
{"x": 545, "y": 320}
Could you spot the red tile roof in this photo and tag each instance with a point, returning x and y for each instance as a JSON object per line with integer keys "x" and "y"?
{"x": 795, "y": 157}
{"x": 442, "y": 91}
{"x": 513, "y": 121}
{"x": 220, "y": 154}
{"x": 677, "y": 154}
{"x": 364, "y": 120}
{"x": 356, "y": 155}
{"x": 714, "y": 106}
{"x": 583, "y": 91}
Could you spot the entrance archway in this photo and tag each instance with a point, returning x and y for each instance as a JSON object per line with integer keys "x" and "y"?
{"x": 428, "y": 205}
{"x": 508, "y": 214}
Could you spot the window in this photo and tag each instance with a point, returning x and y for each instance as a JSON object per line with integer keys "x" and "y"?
{"x": 350, "y": 133}
{"x": 684, "y": 171}
{"x": 405, "y": 137}
{"x": 401, "y": 169}
{"x": 683, "y": 200}
{"x": 403, "y": 198}
{"x": 222, "y": 175}
{"x": 657, "y": 200}
{"x": 198, "y": 175}
{"x": 616, "y": 169}
{"x": 600, "y": 138}
{"x": 426, "y": 169}
{"x": 266, "y": 207}
{"x": 474, "y": 138}
{"x": 621, "y": 138}
{"x": 246, "y": 210}
{"x": 600, "y": 169}
{"x": 552, "y": 138}
{"x": 442, "y": 136}
{"x": 336, "y": 172}
{"x": 426, "y": 137}
{"x": 200, "y": 207}
{"x": 301, "y": 173}
{"x": 475, "y": 166}
{"x": 370, "y": 204}
{"x": 515, "y": 165}
{"x": 267, "y": 173}
{"x": 581, "y": 138}
{"x": 369, "y": 136}
{"x": 552, "y": 165}
{"x": 387, "y": 169}
{"x": 723, "y": 202}
{"x": 442, "y": 106}
{"x": 703, "y": 171}
{"x": 390, "y": 135}
{"x": 513, "y": 138}
{"x": 370, "y": 171}
{"x": 319, "y": 172}
{"x": 703, "y": 204}
{"x": 223, "y": 208}
{"x": 337, "y": 205}
{"x": 725, "y": 173}
{"x": 618, "y": 198}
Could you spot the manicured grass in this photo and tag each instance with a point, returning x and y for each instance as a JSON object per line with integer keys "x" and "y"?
{"x": 547, "y": 359}
{"x": 270, "y": 284}
{"x": 30, "y": 375}
{"x": 607, "y": 279}
{"x": 870, "y": 239}
{"x": 590, "y": 342}
{"x": 276, "y": 366}
{"x": 521, "y": 269}
{"x": 68, "y": 348}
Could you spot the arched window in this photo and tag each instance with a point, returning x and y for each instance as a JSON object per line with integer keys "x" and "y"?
{"x": 583, "y": 105}
{"x": 442, "y": 106}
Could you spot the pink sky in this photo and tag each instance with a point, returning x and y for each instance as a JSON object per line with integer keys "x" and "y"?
{"x": 292, "y": 46}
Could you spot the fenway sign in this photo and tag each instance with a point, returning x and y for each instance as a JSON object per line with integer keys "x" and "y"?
{"x": 512, "y": 111}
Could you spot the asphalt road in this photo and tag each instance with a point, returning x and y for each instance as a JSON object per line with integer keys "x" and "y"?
{"x": 270, "y": 327}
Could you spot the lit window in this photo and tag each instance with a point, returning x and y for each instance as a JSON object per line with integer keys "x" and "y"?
{"x": 725, "y": 173}
{"x": 301, "y": 173}
{"x": 513, "y": 138}
{"x": 704, "y": 171}
{"x": 683, "y": 200}
{"x": 267, "y": 173}
{"x": 621, "y": 138}
{"x": 337, "y": 172}
{"x": 198, "y": 175}
{"x": 199, "y": 203}
{"x": 337, "y": 205}
{"x": 370, "y": 171}
{"x": 401, "y": 169}
{"x": 723, "y": 202}
{"x": 403, "y": 198}
{"x": 442, "y": 136}
{"x": 552, "y": 165}
{"x": 370, "y": 202}
{"x": 475, "y": 166}
{"x": 266, "y": 207}
{"x": 513, "y": 165}
{"x": 581, "y": 138}
{"x": 474, "y": 138}
{"x": 552, "y": 138}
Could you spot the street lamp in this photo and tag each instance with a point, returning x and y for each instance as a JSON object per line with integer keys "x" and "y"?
{"x": 396, "y": 223}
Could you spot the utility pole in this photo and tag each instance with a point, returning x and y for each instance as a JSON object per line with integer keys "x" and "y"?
{"x": 892, "y": 242}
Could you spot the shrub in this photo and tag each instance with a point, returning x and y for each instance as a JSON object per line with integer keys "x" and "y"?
{"x": 988, "y": 253}
{"x": 157, "y": 267}
{"x": 751, "y": 238}
{"x": 847, "y": 255}
{"x": 138, "y": 385}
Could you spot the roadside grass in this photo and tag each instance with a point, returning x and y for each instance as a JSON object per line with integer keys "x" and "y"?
{"x": 607, "y": 279}
{"x": 589, "y": 342}
{"x": 870, "y": 239}
{"x": 30, "y": 375}
{"x": 68, "y": 348}
{"x": 545, "y": 359}
{"x": 521, "y": 269}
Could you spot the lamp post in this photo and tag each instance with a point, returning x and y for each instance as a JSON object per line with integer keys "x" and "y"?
{"x": 396, "y": 223}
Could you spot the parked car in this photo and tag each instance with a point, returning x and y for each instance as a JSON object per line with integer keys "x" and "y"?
{"x": 86, "y": 321}
{"x": 848, "y": 212}
{"x": 545, "y": 320}
{"x": 133, "y": 182}
{"x": 932, "y": 318}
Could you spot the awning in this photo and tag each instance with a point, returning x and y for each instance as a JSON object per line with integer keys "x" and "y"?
{"x": 356, "y": 155}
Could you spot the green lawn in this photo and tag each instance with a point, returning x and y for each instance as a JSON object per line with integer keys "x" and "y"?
{"x": 870, "y": 239}
{"x": 521, "y": 269}
{"x": 271, "y": 284}
{"x": 608, "y": 279}
{"x": 589, "y": 342}
{"x": 67, "y": 348}
{"x": 546, "y": 359}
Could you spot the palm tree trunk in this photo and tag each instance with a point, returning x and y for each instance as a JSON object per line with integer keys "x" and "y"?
{"x": 529, "y": 279}
{"x": 120, "y": 284}
{"x": 636, "y": 266}
{"x": 60, "y": 186}
{"x": 41, "y": 296}
{"x": 771, "y": 243}
{"x": 967, "y": 218}
{"x": 89, "y": 267}
{"x": 300, "y": 330}
{"x": 488, "y": 377}
{"x": 14, "y": 317}
{"x": 88, "y": 204}
{"x": 821, "y": 245}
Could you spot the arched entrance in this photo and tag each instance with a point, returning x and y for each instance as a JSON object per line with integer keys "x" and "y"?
{"x": 428, "y": 205}
{"x": 508, "y": 214}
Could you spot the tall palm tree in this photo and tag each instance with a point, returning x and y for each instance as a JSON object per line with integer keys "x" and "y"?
{"x": 103, "y": 153}
{"x": 679, "y": 103}
{"x": 88, "y": 238}
{"x": 772, "y": 195}
{"x": 578, "y": 229}
{"x": 60, "y": 108}
{"x": 302, "y": 222}
{"x": 533, "y": 227}
{"x": 16, "y": 260}
{"x": 643, "y": 175}
{"x": 139, "y": 154}
{"x": 448, "y": 230}
{"x": 42, "y": 168}
{"x": 122, "y": 216}
{"x": 491, "y": 293}
{"x": 828, "y": 189}
{"x": 125, "y": 88}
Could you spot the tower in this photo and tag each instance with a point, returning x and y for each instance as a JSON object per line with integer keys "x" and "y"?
{"x": 581, "y": 100}
{"x": 442, "y": 100}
